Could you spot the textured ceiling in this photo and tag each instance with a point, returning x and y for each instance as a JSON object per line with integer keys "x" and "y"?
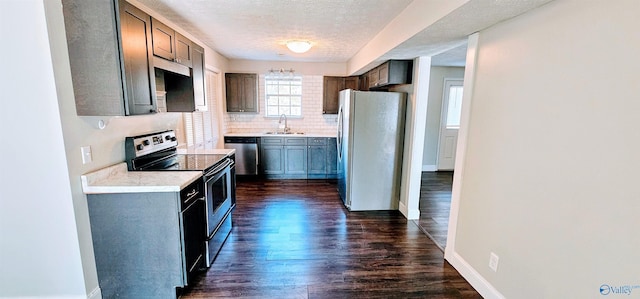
{"x": 338, "y": 29}
{"x": 258, "y": 29}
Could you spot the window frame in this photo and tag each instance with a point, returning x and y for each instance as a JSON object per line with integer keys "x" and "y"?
{"x": 280, "y": 79}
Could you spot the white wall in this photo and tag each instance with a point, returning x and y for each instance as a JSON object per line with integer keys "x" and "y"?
{"x": 107, "y": 145}
{"x": 300, "y": 68}
{"x": 434, "y": 111}
{"x": 550, "y": 172}
{"x": 417, "y": 97}
{"x": 39, "y": 254}
{"x": 313, "y": 121}
{"x": 417, "y": 16}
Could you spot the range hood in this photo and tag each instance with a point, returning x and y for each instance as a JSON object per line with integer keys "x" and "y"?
{"x": 170, "y": 66}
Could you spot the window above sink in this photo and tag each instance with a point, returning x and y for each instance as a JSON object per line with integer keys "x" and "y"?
{"x": 283, "y": 95}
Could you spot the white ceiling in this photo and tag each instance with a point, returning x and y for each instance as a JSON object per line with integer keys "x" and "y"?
{"x": 338, "y": 29}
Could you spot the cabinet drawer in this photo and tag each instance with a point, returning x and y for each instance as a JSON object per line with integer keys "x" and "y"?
{"x": 272, "y": 141}
{"x": 192, "y": 192}
{"x": 295, "y": 141}
{"x": 317, "y": 141}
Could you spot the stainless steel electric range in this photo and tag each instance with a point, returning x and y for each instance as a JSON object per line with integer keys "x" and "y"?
{"x": 158, "y": 152}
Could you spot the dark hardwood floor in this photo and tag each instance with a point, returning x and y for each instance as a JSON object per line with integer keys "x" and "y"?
{"x": 435, "y": 204}
{"x": 294, "y": 239}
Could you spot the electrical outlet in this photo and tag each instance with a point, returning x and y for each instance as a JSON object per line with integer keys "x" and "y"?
{"x": 493, "y": 262}
{"x": 86, "y": 154}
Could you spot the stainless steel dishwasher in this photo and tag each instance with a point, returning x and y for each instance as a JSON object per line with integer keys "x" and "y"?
{"x": 246, "y": 153}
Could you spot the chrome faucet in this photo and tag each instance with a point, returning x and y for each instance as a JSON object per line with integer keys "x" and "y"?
{"x": 286, "y": 126}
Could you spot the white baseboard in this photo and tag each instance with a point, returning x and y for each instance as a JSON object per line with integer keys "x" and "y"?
{"x": 95, "y": 294}
{"x": 410, "y": 215}
{"x": 430, "y": 168}
{"x": 474, "y": 278}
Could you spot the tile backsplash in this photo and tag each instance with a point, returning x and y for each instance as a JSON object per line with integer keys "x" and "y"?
{"x": 312, "y": 120}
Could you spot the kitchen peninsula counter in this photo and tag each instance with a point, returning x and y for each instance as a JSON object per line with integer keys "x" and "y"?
{"x": 206, "y": 151}
{"x": 117, "y": 179}
{"x": 264, "y": 134}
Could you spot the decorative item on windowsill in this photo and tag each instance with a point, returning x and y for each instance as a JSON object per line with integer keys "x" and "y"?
{"x": 281, "y": 73}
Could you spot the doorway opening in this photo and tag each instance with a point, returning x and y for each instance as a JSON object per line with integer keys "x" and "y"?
{"x": 435, "y": 205}
{"x": 441, "y": 138}
{"x": 449, "y": 123}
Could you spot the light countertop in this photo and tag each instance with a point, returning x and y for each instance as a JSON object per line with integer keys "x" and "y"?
{"x": 206, "y": 151}
{"x": 264, "y": 134}
{"x": 117, "y": 179}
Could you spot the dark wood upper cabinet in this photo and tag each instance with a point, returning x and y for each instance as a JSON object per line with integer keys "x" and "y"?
{"x": 198, "y": 77}
{"x": 233, "y": 88}
{"x": 163, "y": 40}
{"x": 352, "y": 82}
{"x": 185, "y": 94}
{"x": 184, "y": 48}
{"x": 170, "y": 45}
{"x": 364, "y": 82}
{"x": 110, "y": 57}
{"x": 249, "y": 90}
{"x": 392, "y": 72}
{"x": 179, "y": 92}
{"x": 331, "y": 91}
{"x": 242, "y": 92}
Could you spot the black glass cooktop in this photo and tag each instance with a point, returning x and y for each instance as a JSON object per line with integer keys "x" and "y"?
{"x": 198, "y": 162}
{"x": 184, "y": 162}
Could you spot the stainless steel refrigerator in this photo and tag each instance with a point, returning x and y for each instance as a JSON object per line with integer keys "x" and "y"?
{"x": 370, "y": 145}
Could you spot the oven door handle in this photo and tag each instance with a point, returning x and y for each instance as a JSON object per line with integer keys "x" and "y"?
{"x": 190, "y": 202}
{"x": 220, "y": 167}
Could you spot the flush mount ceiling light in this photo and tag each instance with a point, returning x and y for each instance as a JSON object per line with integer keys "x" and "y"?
{"x": 298, "y": 46}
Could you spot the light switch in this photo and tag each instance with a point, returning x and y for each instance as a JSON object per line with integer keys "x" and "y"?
{"x": 86, "y": 154}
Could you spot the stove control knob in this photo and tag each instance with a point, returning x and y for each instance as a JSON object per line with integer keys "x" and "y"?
{"x": 146, "y": 142}
{"x": 168, "y": 137}
{"x": 173, "y": 139}
{"x": 139, "y": 147}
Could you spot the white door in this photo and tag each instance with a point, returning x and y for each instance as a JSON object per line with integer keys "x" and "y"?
{"x": 449, "y": 123}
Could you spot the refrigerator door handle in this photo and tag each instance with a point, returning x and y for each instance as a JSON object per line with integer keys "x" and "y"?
{"x": 339, "y": 135}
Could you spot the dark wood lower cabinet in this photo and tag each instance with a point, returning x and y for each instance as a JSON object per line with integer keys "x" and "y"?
{"x": 272, "y": 159}
{"x": 139, "y": 243}
{"x": 332, "y": 158}
{"x": 295, "y": 157}
{"x": 298, "y": 157}
{"x": 317, "y": 161}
